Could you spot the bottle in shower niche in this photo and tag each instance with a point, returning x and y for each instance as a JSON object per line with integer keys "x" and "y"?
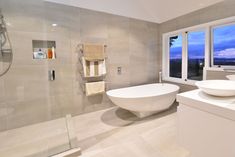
{"x": 49, "y": 53}
{"x": 39, "y": 54}
{"x": 53, "y": 53}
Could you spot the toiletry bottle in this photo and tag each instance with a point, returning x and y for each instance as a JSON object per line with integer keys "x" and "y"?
{"x": 49, "y": 53}
{"x": 53, "y": 53}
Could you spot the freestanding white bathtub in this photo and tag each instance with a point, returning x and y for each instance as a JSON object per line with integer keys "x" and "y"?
{"x": 145, "y": 100}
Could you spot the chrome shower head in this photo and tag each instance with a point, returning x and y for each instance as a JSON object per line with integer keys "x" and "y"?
{"x": 2, "y": 23}
{"x": 6, "y": 53}
{"x": 3, "y": 30}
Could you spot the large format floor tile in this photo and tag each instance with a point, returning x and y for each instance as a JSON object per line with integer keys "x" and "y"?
{"x": 115, "y": 132}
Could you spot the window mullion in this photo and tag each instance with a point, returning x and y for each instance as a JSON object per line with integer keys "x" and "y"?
{"x": 207, "y": 52}
{"x": 207, "y": 47}
{"x": 184, "y": 57}
{"x": 166, "y": 58}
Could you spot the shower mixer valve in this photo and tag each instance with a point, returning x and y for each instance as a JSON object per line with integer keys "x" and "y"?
{"x": 51, "y": 75}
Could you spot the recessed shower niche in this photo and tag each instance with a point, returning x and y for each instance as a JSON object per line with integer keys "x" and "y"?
{"x": 44, "y": 49}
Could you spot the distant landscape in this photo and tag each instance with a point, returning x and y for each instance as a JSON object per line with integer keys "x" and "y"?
{"x": 224, "y": 61}
{"x": 195, "y": 68}
{"x": 175, "y": 68}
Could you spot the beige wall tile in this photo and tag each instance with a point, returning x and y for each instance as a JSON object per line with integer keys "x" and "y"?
{"x": 132, "y": 45}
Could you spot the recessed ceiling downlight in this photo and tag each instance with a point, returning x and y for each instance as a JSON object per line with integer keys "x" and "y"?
{"x": 54, "y": 24}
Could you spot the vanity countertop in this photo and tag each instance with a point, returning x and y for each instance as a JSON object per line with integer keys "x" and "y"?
{"x": 221, "y": 106}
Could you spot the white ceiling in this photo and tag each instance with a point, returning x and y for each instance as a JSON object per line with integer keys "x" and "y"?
{"x": 149, "y": 10}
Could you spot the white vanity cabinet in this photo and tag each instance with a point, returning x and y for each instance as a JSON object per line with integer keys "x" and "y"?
{"x": 206, "y": 124}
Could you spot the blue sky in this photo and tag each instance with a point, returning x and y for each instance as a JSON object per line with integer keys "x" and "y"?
{"x": 196, "y": 46}
{"x": 176, "y": 48}
{"x": 224, "y": 44}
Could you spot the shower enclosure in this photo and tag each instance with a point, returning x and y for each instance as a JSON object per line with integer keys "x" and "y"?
{"x": 35, "y": 110}
{"x": 40, "y": 82}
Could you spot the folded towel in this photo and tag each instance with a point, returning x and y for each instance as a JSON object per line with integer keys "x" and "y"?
{"x": 93, "y": 52}
{"x": 94, "y": 88}
{"x": 93, "y": 68}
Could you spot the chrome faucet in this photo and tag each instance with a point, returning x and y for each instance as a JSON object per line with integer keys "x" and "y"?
{"x": 160, "y": 77}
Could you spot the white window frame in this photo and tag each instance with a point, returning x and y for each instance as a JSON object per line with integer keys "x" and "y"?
{"x": 212, "y": 45}
{"x": 208, "y": 50}
{"x": 166, "y": 73}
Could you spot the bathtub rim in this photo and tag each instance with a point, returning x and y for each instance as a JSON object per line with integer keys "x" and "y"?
{"x": 147, "y": 96}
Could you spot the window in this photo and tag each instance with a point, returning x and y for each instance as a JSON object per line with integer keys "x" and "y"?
{"x": 223, "y": 45}
{"x": 196, "y": 55}
{"x": 188, "y": 53}
{"x": 175, "y": 50}
{"x": 187, "y": 49}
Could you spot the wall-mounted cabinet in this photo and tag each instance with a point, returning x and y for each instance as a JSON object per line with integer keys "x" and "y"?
{"x": 43, "y": 49}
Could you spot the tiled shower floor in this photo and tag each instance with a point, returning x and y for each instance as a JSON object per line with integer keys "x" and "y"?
{"x": 39, "y": 140}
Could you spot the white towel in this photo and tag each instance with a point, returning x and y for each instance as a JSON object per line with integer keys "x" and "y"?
{"x": 94, "y": 88}
{"x": 102, "y": 67}
{"x": 89, "y": 68}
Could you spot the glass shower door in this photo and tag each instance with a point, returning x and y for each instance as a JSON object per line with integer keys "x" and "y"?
{"x": 37, "y": 93}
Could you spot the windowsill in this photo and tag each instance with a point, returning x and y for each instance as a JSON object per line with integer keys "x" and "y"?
{"x": 214, "y": 69}
{"x": 180, "y": 81}
{"x": 221, "y": 69}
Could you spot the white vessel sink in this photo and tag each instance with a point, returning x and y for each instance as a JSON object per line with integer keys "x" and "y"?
{"x": 231, "y": 77}
{"x": 217, "y": 87}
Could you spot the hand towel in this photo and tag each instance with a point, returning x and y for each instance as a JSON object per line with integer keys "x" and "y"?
{"x": 94, "y": 88}
{"x": 93, "y": 68}
{"x": 93, "y": 52}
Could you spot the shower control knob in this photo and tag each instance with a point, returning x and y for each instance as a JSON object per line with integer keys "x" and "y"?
{"x": 119, "y": 70}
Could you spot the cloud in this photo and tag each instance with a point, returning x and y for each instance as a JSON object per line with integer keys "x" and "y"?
{"x": 224, "y": 44}
{"x": 227, "y": 53}
{"x": 195, "y": 52}
{"x": 176, "y": 52}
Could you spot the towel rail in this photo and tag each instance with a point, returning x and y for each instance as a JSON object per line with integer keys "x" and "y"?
{"x": 89, "y": 79}
{"x": 81, "y": 45}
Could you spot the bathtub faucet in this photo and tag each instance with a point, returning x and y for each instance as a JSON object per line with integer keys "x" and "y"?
{"x": 160, "y": 77}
